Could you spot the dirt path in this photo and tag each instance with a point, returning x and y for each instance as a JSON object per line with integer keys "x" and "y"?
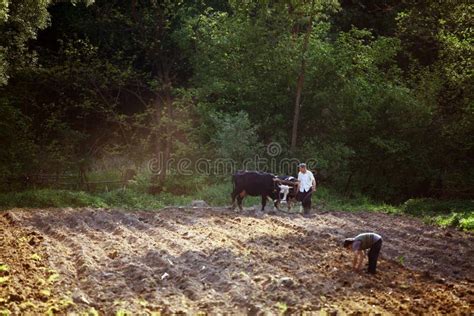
{"x": 214, "y": 260}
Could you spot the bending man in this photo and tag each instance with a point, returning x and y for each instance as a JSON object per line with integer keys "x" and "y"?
{"x": 361, "y": 242}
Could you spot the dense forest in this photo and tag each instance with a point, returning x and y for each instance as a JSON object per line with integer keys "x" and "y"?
{"x": 379, "y": 93}
{"x": 124, "y": 125}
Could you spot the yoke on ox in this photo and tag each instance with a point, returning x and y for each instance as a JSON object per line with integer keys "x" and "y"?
{"x": 255, "y": 184}
{"x": 261, "y": 184}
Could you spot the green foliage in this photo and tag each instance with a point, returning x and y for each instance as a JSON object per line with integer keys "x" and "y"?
{"x": 104, "y": 175}
{"x": 122, "y": 312}
{"x": 467, "y": 222}
{"x": 141, "y": 182}
{"x": 454, "y": 213}
{"x": 282, "y": 307}
{"x": 180, "y": 184}
{"x": 236, "y": 137}
{"x": 358, "y": 118}
{"x": 217, "y": 194}
{"x": 331, "y": 200}
{"x": 401, "y": 260}
{"x": 48, "y": 198}
{"x": 4, "y": 268}
{"x": 92, "y": 312}
{"x": 457, "y": 213}
{"x": 242, "y": 65}
{"x": 17, "y": 144}
{"x": 386, "y": 102}
{"x": 420, "y": 206}
{"x": 35, "y": 257}
{"x": 435, "y": 37}
{"x": 53, "y": 278}
{"x": 127, "y": 199}
{"x": 464, "y": 220}
{"x": 4, "y": 10}
{"x": 20, "y": 21}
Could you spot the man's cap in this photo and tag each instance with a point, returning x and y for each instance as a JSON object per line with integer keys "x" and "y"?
{"x": 347, "y": 242}
{"x": 302, "y": 165}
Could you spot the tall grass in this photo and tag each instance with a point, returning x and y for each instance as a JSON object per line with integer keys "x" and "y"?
{"x": 444, "y": 213}
{"x": 131, "y": 198}
{"x": 64, "y": 198}
{"x": 330, "y": 200}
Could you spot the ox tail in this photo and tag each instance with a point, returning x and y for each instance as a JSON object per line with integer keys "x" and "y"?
{"x": 233, "y": 181}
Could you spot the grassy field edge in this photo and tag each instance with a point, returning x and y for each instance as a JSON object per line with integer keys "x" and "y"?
{"x": 446, "y": 213}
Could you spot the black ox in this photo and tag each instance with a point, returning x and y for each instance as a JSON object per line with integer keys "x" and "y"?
{"x": 263, "y": 184}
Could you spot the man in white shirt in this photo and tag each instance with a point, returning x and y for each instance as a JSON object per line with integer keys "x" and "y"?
{"x": 306, "y": 186}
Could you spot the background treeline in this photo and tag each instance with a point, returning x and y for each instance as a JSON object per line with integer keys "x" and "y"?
{"x": 381, "y": 91}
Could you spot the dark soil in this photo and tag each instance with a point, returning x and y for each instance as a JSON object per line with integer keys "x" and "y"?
{"x": 212, "y": 260}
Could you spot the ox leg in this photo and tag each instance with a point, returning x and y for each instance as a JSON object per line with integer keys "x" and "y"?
{"x": 276, "y": 204}
{"x": 264, "y": 202}
{"x": 237, "y": 194}
{"x": 233, "y": 195}
{"x": 239, "y": 201}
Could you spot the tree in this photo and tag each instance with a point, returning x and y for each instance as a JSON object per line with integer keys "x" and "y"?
{"x": 20, "y": 21}
{"x": 436, "y": 37}
{"x": 380, "y": 93}
{"x": 236, "y": 137}
{"x": 300, "y": 80}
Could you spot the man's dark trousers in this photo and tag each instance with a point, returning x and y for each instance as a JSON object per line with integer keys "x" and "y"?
{"x": 373, "y": 255}
{"x": 305, "y": 199}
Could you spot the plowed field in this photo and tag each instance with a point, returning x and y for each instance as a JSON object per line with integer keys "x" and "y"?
{"x": 213, "y": 260}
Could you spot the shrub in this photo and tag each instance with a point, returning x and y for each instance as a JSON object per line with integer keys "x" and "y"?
{"x": 454, "y": 213}
{"x": 423, "y": 206}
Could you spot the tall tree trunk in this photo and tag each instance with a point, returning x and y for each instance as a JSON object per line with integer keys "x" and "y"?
{"x": 300, "y": 81}
{"x": 165, "y": 137}
{"x": 348, "y": 183}
{"x": 158, "y": 145}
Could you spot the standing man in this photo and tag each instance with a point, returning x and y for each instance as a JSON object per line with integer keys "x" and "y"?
{"x": 306, "y": 187}
{"x": 360, "y": 243}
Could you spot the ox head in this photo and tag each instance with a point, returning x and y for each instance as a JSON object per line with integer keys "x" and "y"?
{"x": 284, "y": 190}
